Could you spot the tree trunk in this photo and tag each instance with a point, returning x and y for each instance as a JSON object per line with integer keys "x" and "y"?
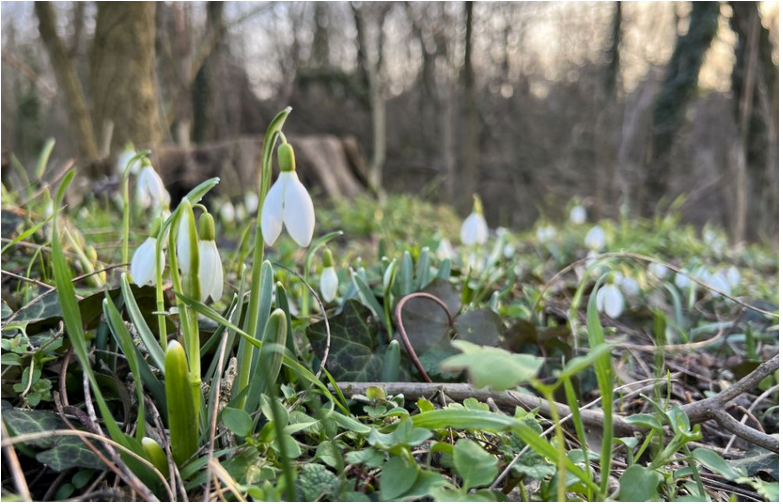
{"x": 64, "y": 71}
{"x": 754, "y": 74}
{"x": 680, "y": 83}
{"x": 469, "y": 176}
{"x": 122, "y": 65}
{"x": 207, "y": 82}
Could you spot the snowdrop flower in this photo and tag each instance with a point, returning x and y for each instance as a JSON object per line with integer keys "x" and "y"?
{"x": 150, "y": 191}
{"x": 578, "y": 215}
{"x": 210, "y": 267}
{"x": 251, "y": 202}
{"x": 445, "y": 250}
{"x": 287, "y": 203}
{"x": 658, "y": 270}
{"x": 124, "y": 158}
{"x": 609, "y": 300}
{"x": 629, "y": 286}
{"x": 329, "y": 281}
{"x": 719, "y": 282}
{"x": 227, "y": 213}
{"x": 682, "y": 281}
{"x": 509, "y": 250}
{"x": 545, "y": 233}
{"x": 733, "y": 277}
{"x": 474, "y": 230}
{"x": 241, "y": 212}
{"x": 475, "y": 262}
{"x": 143, "y": 265}
{"x": 596, "y": 238}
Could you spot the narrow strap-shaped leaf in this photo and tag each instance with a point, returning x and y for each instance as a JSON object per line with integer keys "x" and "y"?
{"x": 149, "y": 340}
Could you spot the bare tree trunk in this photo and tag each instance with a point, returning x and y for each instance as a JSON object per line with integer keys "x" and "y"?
{"x": 122, "y": 65}
{"x": 75, "y": 102}
{"x": 682, "y": 76}
{"x": 469, "y": 177}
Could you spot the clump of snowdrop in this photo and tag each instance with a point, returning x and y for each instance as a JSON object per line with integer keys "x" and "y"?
{"x": 474, "y": 229}
{"x": 287, "y": 202}
{"x": 578, "y": 215}
{"x": 143, "y": 265}
{"x": 150, "y": 191}
{"x": 596, "y": 238}
{"x": 329, "y": 280}
{"x": 210, "y": 267}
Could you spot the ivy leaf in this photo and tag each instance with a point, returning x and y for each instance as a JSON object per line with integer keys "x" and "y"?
{"x": 426, "y": 324}
{"x": 482, "y": 326}
{"x": 475, "y": 466}
{"x": 355, "y": 353}
{"x": 639, "y": 484}
{"x": 61, "y": 453}
{"x": 534, "y": 466}
{"x": 758, "y": 460}
{"x": 493, "y": 367}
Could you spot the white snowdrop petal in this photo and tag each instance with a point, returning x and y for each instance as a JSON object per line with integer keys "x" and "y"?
{"x": 298, "y": 211}
{"x": 227, "y": 212}
{"x": 599, "y": 298}
{"x": 578, "y": 215}
{"x": 272, "y": 211}
{"x": 183, "y": 244}
{"x": 719, "y": 282}
{"x": 482, "y": 231}
{"x": 210, "y": 270}
{"x": 595, "y": 238}
{"x": 329, "y": 283}
{"x": 251, "y": 202}
{"x": 474, "y": 230}
{"x": 630, "y": 287}
{"x": 733, "y": 276}
{"x": 445, "y": 250}
{"x": 143, "y": 263}
{"x": 682, "y": 281}
{"x": 613, "y": 301}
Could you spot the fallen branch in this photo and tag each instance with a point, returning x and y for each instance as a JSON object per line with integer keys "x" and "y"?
{"x": 711, "y": 408}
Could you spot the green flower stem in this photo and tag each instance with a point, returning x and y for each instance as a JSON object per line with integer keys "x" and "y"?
{"x": 271, "y": 137}
{"x": 547, "y": 392}
{"x": 125, "y": 215}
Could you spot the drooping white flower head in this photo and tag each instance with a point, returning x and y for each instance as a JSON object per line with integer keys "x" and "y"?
{"x": 596, "y": 238}
{"x": 288, "y": 203}
{"x": 210, "y": 267}
{"x": 733, "y": 276}
{"x": 150, "y": 191}
{"x": 124, "y": 158}
{"x": 227, "y": 213}
{"x": 658, "y": 270}
{"x": 445, "y": 250}
{"x": 720, "y": 282}
{"x": 509, "y": 250}
{"x": 329, "y": 280}
{"x": 629, "y": 286}
{"x": 143, "y": 265}
{"x": 682, "y": 281}
{"x": 609, "y": 299}
{"x": 578, "y": 215}
{"x": 474, "y": 229}
{"x": 251, "y": 202}
{"x": 545, "y": 233}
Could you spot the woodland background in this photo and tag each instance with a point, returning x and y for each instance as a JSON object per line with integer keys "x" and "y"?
{"x": 624, "y": 105}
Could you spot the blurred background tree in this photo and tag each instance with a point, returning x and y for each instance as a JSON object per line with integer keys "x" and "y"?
{"x": 625, "y": 105}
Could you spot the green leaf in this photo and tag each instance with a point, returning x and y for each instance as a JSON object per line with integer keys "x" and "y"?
{"x": 149, "y": 340}
{"x": 425, "y": 485}
{"x": 369, "y": 457}
{"x": 644, "y": 420}
{"x": 482, "y": 327}
{"x": 330, "y": 454}
{"x": 426, "y": 324}
{"x": 315, "y": 481}
{"x": 61, "y": 453}
{"x": 355, "y": 353}
{"x": 237, "y": 421}
{"x": 397, "y": 477}
{"x": 639, "y": 484}
{"x": 534, "y": 466}
{"x": 493, "y": 367}
{"x": 475, "y": 466}
{"x": 409, "y": 435}
{"x": 759, "y": 460}
{"x": 716, "y": 463}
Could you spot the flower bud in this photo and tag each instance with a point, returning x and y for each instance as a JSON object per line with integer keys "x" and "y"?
{"x": 285, "y": 158}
